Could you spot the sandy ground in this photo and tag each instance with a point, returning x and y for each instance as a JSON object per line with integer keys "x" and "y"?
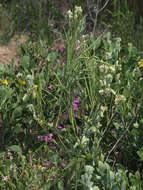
{"x": 10, "y": 51}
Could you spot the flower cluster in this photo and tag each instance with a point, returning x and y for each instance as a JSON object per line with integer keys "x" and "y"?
{"x": 75, "y": 104}
{"x": 140, "y": 63}
{"x": 59, "y": 128}
{"x": 78, "y": 44}
{"x": 50, "y": 87}
{"x": 48, "y": 164}
{"x": 106, "y": 78}
{"x": 60, "y": 48}
{"x": 120, "y": 98}
{"x": 46, "y": 138}
{"x": 22, "y": 82}
{"x": 77, "y": 12}
{"x": 103, "y": 109}
{"x": 70, "y": 14}
{"x": 5, "y": 82}
{"x": 107, "y": 68}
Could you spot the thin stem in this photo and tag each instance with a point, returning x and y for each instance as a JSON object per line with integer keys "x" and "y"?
{"x": 118, "y": 140}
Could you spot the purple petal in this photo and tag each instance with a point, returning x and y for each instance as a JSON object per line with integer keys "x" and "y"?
{"x": 51, "y": 135}
{"x": 121, "y": 124}
{"x": 59, "y": 48}
{"x": 113, "y": 132}
{"x": 59, "y": 127}
{"x": 76, "y": 100}
{"x": 77, "y": 45}
{"x": 48, "y": 139}
{"x": 74, "y": 106}
{"x": 63, "y": 164}
{"x": 49, "y": 163}
{"x": 51, "y": 87}
{"x": 66, "y": 116}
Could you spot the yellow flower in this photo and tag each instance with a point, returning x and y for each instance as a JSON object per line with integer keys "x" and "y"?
{"x": 5, "y": 82}
{"x": 119, "y": 58}
{"x": 39, "y": 166}
{"x": 140, "y": 63}
{"x": 22, "y": 82}
{"x": 129, "y": 44}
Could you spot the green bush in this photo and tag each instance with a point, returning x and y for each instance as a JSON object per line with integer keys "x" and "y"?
{"x": 74, "y": 121}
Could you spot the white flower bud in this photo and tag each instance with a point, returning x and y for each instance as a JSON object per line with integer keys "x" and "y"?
{"x": 120, "y": 98}
{"x": 69, "y": 14}
{"x": 101, "y": 92}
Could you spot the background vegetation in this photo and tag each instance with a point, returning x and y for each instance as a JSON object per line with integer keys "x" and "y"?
{"x": 41, "y": 18}
{"x": 71, "y": 112}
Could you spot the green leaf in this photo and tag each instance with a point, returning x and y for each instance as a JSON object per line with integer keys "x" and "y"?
{"x": 112, "y": 178}
{"x": 115, "y": 187}
{"x": 15, "y": 148}
{"x": 7, "y": 162}
{"x": 140, "y": 154}
{"x": 2, "y": 154}
{"x": 47, "y": 186}
{"x": 17, "y": 112}
{"x": 5, "y": 93}
{"x": 18, "y": 129}
{"x": 2, "y": 68}
{"x": 60, "y": 185}
{"x": 123, "y": 185}
{"x": 96, "y": 188}
{"x": 25, "y": 61}
{"x": 97, "y": 43}
{"x": 72, "y": 163}
{"x": 52, "y": 57}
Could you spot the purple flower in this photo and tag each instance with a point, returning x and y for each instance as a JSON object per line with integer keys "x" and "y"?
{"x": 76, "y": 100}
{"x": 86, "y": 113}
{"x": 51, "y": 87}
{"x": 121, "y": 124}
{"x": 59, "y": 127}
{"x": 74, "y": 106}
{"x": 60, "y": 48}
{"x": 66, "y": 116}
{"x": 113, "y": 132}
{"x": 63, "y": 164}
{"x": 44, "y": 164}
{"x": 49, "y": 163}
{"x": 48, "y": 139}
{"x": 39, "y": 137}
{"x": 51, "y": 135}
{"x": 77, "y": 45}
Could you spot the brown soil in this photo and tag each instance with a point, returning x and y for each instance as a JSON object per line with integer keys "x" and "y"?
{"x": 10, "y": 51}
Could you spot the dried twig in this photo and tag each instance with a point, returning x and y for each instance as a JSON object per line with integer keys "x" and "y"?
{"x": 97, "y": 10}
